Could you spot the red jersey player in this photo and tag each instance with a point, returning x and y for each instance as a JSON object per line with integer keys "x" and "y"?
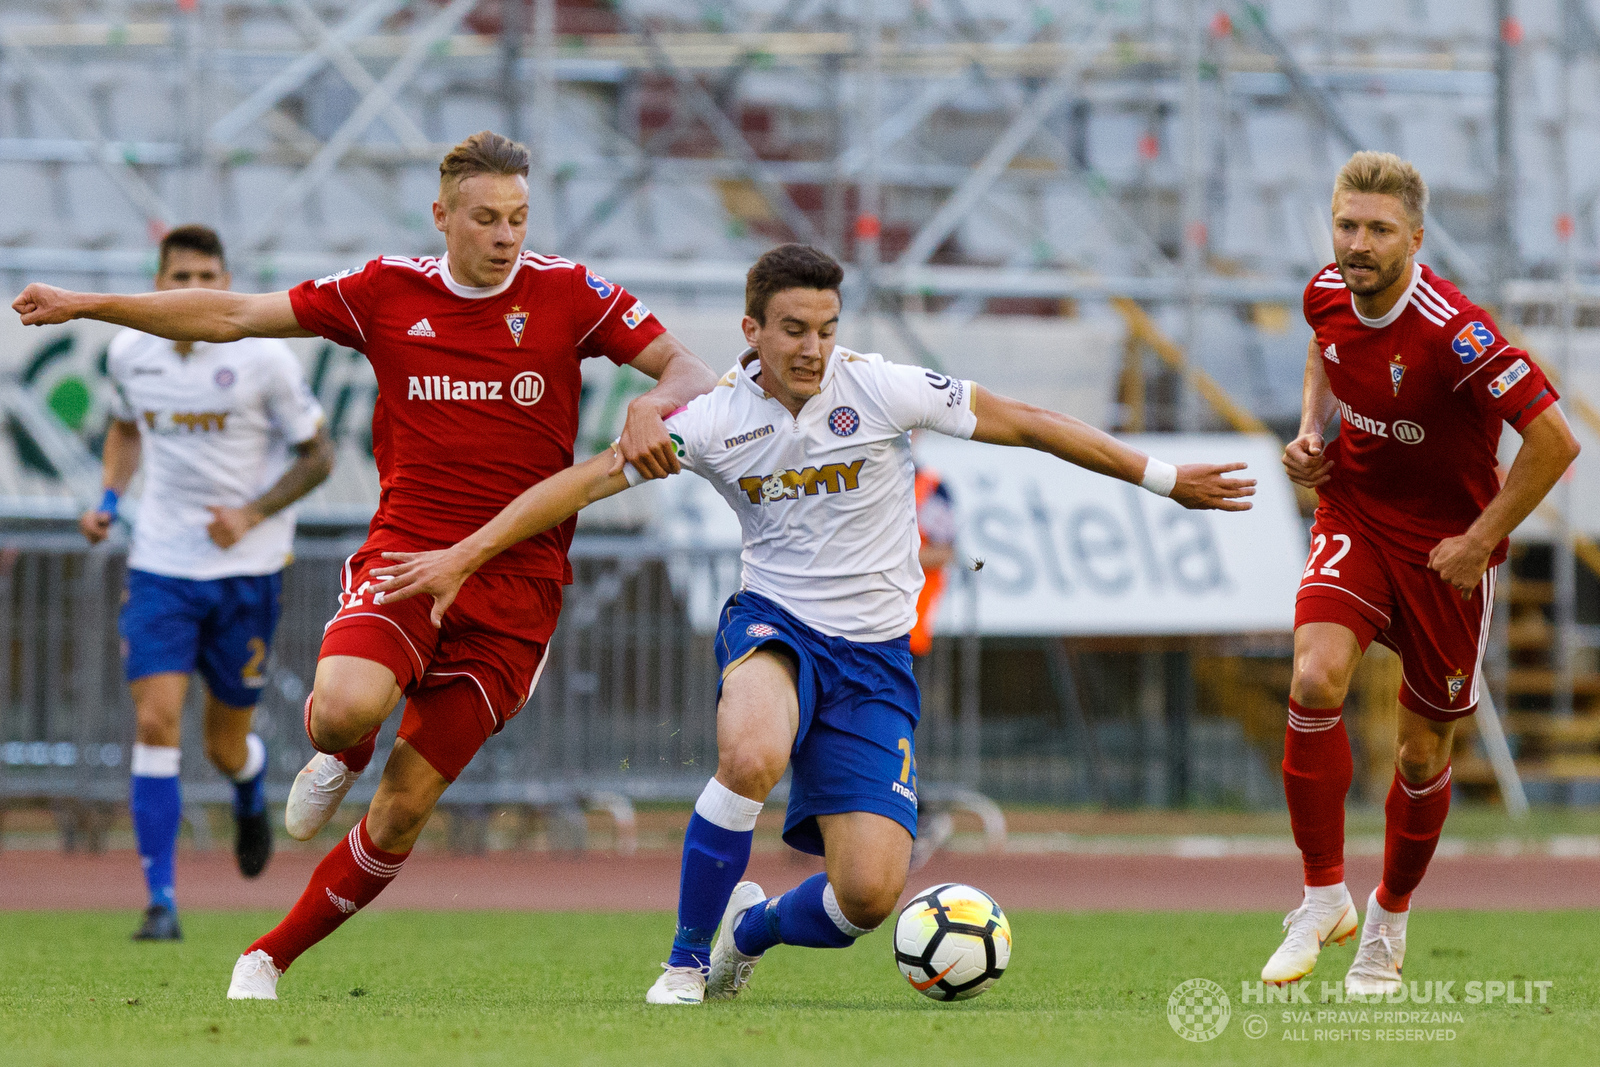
{"x": 477, "y": 357}
{"x": 1411, "y": 519}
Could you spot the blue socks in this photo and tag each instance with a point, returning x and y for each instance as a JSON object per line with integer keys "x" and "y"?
{"x": 157, "y": 807}
{"x": 807, "y": 915}
{"x": 716, "y": 850}
{"x": 250, "y": 784}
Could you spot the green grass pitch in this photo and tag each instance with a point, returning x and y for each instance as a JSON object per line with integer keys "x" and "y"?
{"x": 398, "y": 988}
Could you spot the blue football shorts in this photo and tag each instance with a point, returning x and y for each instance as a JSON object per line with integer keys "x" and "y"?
{"x": 859, "y": 704}
{"x": 221, "y": 627}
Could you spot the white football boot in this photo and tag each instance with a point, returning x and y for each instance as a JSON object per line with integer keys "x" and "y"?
{"x": 255, "y": 977}
{"x": 315, "y": 796}
{"x": 730, "y": 969}
{"x": 1306, "y": 929}
{"x": 678, "y": 985}
{"x": 1376, "y": 968}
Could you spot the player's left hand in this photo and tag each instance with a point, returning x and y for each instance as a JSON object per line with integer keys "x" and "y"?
{"x": 1460, "y": 561}
{"x": 229, "y": 525}
{"x": 435, "y": 573}
{"x": 645, "y": 443}
{"x": 1202, "y": 485}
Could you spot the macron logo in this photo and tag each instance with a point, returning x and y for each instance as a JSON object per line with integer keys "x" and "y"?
{"x": 421, "y": 329}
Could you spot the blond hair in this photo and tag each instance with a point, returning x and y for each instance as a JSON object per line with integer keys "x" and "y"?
{"x": 485, "y": 152}
{"x": 1388, "y": 174}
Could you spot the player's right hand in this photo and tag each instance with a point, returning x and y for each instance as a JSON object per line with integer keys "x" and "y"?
{"x": 1305, "y": 461}
{"x": 433, "y": 572}
{"x": 44, "y": 305}
{"x": 96, "y": 525}
{"x": 1204, "y": 485}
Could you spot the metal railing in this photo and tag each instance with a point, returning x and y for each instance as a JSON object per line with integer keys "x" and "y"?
{"x": 625, "y": 710}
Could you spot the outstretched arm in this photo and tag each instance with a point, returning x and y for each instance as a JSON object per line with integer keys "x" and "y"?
{"x": 1004, "y": 421}
{"x": 547, "y": 504}
{"x": 213, "y": 315}
{"x": 680, "y": 377}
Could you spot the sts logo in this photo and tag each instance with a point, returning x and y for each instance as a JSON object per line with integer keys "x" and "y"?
{"x": 1472, "y": 342}
{"x": 600, "y": 285}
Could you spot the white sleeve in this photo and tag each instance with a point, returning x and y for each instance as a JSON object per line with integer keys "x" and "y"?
{"x": 290, "y": 403}
{"x": 121, "y": 409}
{"x": 916, "y": 398}
{"x": 686, "y": 427}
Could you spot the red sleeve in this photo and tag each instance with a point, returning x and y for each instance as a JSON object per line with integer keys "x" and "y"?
{"x": 610, "y": 321}
{"x": 336, "y": 307}
{"x": 1499, "y": 377}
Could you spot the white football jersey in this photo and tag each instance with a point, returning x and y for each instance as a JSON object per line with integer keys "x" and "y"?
{"x": 215, "y": 428}
{"x": 827, "y": 500}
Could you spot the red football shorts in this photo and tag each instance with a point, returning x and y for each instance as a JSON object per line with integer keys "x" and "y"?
{"x": 464, "y": 680}
{"x": 1439, "y": 636}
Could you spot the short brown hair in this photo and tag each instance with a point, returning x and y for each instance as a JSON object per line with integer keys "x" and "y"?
{"x": 1386, "y": 173}
{"x": 791, "y": 266}
{"x": 195, "y": 238}
{"x": 485, "y": 152}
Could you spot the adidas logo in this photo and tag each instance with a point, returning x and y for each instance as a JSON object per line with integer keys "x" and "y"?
{"x": 350, "y": 907}
{"x": 421, "y": 329}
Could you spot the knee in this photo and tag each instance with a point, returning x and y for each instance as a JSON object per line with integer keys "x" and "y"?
{"x": 750, "y": 770}
{"x": 1419, "y": 759}
{"x": 868, "y": 902}
{"x": 1320, "y": 682}
{"x": 340, "y": 714}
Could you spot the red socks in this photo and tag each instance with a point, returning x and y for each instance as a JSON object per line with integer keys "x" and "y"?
{"x": 1317, "y": 770}
{"x": 358, "y": 755}
{"x": 1413, "y": 819}
{"x": 347, "y": 880}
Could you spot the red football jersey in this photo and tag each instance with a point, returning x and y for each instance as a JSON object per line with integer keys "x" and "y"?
{"x": 1422, "y": 394}
{"x": 477, "y": 388}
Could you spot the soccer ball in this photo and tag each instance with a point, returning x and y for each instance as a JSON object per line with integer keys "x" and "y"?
{"x": 952, "y": 942}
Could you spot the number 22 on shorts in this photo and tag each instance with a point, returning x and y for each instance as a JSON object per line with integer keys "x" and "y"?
{"x": 1319, "y": 543}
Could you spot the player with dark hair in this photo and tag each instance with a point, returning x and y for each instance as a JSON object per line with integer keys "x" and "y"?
{"x": 477, "y": 357}
{"x": 229, "y": 437}
{"x": 809, "y": 445}
{"x": 1412, "y": 520}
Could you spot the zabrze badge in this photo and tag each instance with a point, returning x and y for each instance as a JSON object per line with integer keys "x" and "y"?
{"x": 517, "y": 321}
{"x": 1396, "y": 372}
{"x": 1454, "y": 683}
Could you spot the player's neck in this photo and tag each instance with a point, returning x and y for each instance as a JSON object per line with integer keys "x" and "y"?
{"x": 1377, "y": 305}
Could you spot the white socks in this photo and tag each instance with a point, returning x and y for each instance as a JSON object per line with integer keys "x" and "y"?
{"x": 1396, "y": 920}
{"x": 1326, "y": 896}
{"x": 255, "y": 759}
{"x": 155, "y": 761}
{"x": 830, "y": 904}
{"x": 721, "y": 806}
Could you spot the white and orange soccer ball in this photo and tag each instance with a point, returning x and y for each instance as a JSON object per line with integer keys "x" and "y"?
{"x": 952, "y": 942}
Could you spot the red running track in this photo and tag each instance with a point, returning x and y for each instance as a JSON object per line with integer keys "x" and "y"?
{"x": 535, "y": 881}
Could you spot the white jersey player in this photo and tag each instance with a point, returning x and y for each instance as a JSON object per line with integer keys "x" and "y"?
{"x": 845, "y": 561}
{"x": 217, "y": 427}
{"x": 229, "y": 437}
{"x": 809, "y": 444}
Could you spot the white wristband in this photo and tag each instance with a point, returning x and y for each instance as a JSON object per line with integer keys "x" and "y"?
{"x": 1160, "y": 478}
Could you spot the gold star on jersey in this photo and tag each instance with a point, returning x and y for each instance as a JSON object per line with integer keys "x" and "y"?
{"x": 516, "y": 322}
